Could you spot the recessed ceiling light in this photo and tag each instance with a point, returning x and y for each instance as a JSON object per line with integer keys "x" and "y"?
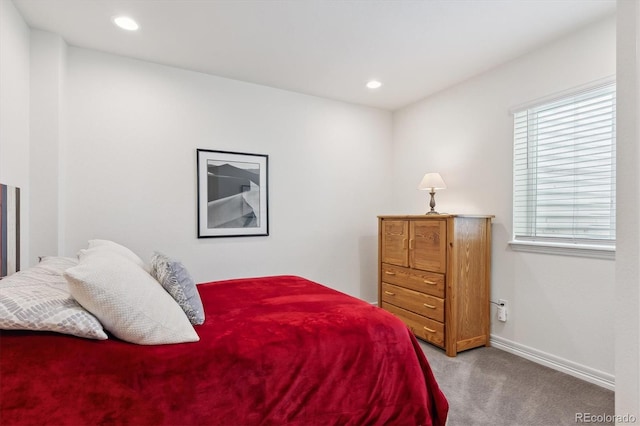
{"x": 126, "y": 23}
{"x": 374, "y": 84}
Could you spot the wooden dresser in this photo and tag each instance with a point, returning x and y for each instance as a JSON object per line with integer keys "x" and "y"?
{"x": 434, "y": 274}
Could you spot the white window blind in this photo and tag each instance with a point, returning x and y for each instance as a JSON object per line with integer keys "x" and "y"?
{"x": 565, "y": 169}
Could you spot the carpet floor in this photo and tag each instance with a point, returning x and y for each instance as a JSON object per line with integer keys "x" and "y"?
{"x": 488, "y": 386}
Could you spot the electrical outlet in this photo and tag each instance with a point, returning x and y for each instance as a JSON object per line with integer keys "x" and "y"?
{"x": 502, "y": 310}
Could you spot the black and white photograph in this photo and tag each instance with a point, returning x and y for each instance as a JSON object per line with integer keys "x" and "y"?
{"x": 232, "y": 194}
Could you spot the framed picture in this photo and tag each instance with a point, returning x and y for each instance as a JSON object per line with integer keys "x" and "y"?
{"x": 233, "y": 194}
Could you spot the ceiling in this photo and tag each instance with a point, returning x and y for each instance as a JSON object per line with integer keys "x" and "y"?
{"x": 326, "y": 48}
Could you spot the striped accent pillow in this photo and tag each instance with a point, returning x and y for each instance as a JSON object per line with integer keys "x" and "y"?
{"x": 38, "y": 299}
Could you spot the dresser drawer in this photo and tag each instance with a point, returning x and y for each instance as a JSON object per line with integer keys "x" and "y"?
{"x": 420, "y": 303}
{"x": 424, "y": 328}
{"x": 424, "y": 282}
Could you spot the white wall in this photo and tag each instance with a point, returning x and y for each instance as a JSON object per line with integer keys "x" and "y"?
{"x": 14, "y": 112}
{"x": 130, "y": 170}
{"x": 48, "y": 59}
{"x": 560, "y": 307}
{"x": 628, "y": 219}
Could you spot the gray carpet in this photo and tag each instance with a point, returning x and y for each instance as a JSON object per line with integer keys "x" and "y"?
{"x": 488, "y": 386}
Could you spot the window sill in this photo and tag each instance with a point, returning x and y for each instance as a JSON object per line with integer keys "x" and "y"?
{"x": 565, "y": 249}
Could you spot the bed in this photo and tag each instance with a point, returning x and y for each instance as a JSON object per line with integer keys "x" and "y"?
{"x": 278, "y": 350}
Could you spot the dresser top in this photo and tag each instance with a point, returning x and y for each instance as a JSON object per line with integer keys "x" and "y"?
{"x": 434, "y": 216}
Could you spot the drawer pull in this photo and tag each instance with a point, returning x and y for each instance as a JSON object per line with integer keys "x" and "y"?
{"x": 430, "y": 330}
{"x": 389, "y": 293}
{"x": 429, "y": 282}
{"x": 426, "y": 305}
{"x": 389, "y": 272}
{"x": 411, "y": 243}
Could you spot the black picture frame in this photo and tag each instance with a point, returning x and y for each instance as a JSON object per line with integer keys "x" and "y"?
{"x": 233, "y": 194}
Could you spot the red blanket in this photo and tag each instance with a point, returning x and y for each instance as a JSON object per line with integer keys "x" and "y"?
{"x": 272, "y": 351}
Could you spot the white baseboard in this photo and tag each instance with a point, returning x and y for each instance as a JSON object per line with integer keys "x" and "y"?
{"x": 583, "y": 372}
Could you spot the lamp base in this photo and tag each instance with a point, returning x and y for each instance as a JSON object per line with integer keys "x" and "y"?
{"x": 432, "y": 202}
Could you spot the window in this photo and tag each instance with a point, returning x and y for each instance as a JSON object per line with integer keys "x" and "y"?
{"x": 564, "y": 180}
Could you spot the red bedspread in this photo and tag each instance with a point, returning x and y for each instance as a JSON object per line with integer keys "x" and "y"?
{"x": 272, "y": 351}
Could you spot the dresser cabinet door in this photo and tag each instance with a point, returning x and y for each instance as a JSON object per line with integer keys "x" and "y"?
{"x": 395, "y": 242}
{"x": 428, "y": 245}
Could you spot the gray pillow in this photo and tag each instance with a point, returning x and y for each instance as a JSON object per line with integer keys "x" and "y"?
{"x": 175, "y": 278}
{"x": 38, "y": 298}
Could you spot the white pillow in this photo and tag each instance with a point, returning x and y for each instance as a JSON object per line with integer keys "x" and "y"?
{"x": 37, "y": 299}
{"x": 118, "y": 248}
{"x": 55, "y": 265}
{"x": 127, "y": 300}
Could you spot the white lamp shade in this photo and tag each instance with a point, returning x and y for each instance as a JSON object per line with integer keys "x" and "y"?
{"x": 432, "y": 181}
